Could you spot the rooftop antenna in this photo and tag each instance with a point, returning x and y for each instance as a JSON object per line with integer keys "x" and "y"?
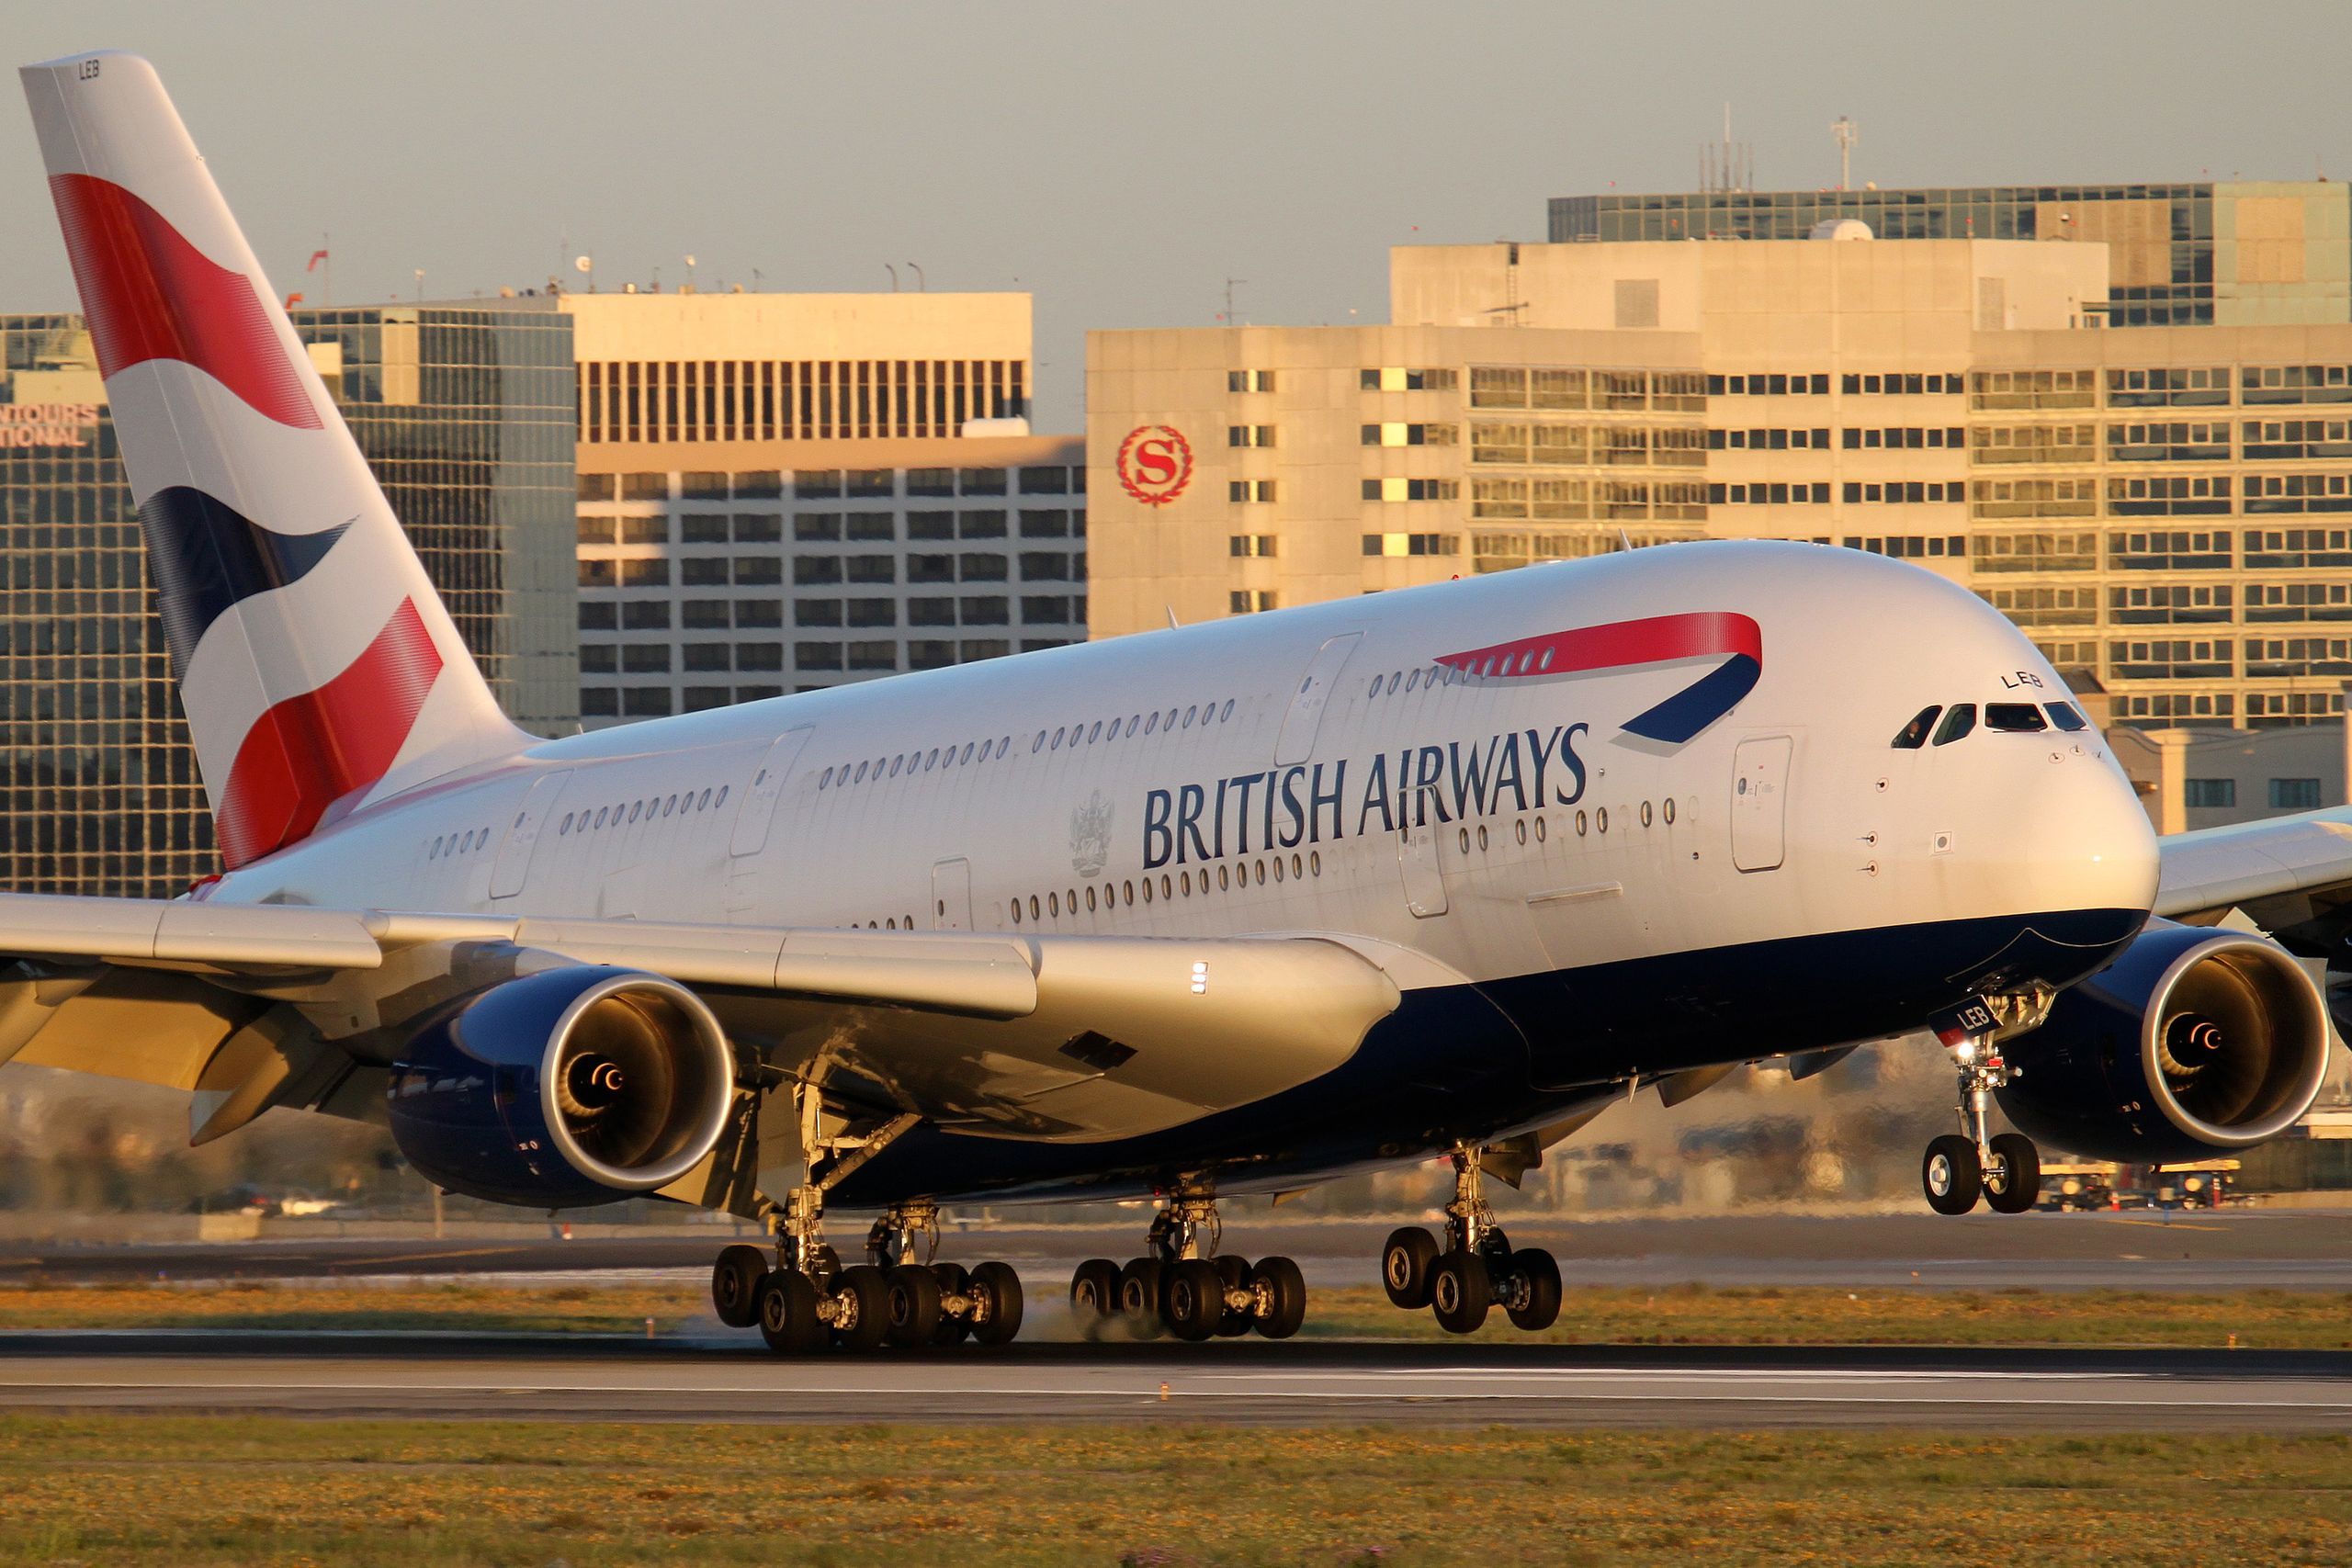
{"x": 690, "y": 273}
{"x": 894, "y": 276}
{"x": 922, "y": 284}
{"x": 1230, "y": 285}
{"x": 1728, "y": 166}
{"x": 1846, "y": 133}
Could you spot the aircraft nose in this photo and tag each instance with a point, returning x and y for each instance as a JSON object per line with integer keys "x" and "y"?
{"x": 2095, "y": 841}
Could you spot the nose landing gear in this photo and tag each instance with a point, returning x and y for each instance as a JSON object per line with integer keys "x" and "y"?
{"x": 2004, "y": 1168}
{"x": 1183, "y": 1286}
{"x": 1477, "y": 1269}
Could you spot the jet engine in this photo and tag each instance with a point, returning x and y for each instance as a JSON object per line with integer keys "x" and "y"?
{"x": 2194, "y": 1040}
{"x": 572, "y": 1086}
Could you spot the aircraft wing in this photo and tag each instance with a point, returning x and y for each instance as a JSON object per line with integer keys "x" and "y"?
{"x": 2292, "y": 875}
{"x": 1064, "y": 1038}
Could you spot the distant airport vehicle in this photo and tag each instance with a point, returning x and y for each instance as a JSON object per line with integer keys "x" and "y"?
{"x": 1233, "y": 908}
{"x": 2108, "y": 1184}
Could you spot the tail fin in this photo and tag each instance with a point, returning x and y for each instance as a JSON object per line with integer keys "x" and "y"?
{"x": 316, "y": 663}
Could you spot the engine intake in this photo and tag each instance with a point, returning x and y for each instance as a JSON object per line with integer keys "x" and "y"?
{"x": 572, "y": 1086}
{"x": 2194, "y": 1040}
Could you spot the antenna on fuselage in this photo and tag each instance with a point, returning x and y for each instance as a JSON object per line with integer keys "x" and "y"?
{"x": 1171, "y": 618}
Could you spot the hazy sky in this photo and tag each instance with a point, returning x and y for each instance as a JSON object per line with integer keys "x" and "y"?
{"x": 1121, "y": 162}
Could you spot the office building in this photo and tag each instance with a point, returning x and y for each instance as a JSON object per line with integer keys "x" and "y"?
{"x": 465, "y": 412}
{"x": 780, "y": 492}
{"x": 2169, "y": 508}
{"x": 2223, "y": 254}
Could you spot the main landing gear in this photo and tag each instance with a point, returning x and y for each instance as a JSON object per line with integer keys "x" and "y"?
{"x": 2003, "y": 1169}
{"x": 1475, "y": 1270}
{"x": 1183, "y": 1286}
{"x": 807, "y": 1301}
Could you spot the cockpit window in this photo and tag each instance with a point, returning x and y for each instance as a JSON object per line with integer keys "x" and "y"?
{"x": 1913, "y": 735}
{"x": 2067, "y": 716}
{"x": 1957, "y": 723}
{"x": 2017, "y": 718}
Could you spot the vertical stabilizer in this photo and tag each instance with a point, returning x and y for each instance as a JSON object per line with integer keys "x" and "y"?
{"x": 316, "y": 663}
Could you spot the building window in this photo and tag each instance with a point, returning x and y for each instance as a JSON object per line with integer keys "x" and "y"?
{"x": 1249, "y": 601}
{"x": 1250, "y": 435}
{"x": 1249, "y": 381}
{"x": 2212, "y": 795}
{"x": 1250, "y": 490}
{"x": 1251, "y": 545}
{"x": 2294, "y": 794}
{"x": 1412, "y": 545}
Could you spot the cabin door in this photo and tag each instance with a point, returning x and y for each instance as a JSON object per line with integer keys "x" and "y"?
{"x": 1759, "y": 794}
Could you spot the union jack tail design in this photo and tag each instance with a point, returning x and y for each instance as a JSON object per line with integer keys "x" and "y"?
{"x": 316, "y": 663}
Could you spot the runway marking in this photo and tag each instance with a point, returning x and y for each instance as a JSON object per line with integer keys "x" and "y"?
{"x": 419, "y": 1257}
{"x": 2173, "y": 1226}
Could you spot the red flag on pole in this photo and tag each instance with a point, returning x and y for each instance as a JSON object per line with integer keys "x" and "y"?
{"x": 316, "y": 257}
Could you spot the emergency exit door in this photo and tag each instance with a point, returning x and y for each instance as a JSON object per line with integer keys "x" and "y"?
{"x": 1759, "y": 794}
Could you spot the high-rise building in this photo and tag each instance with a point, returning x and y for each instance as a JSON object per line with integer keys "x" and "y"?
{"x": 779, "y": 492}
{"x": 466, "y": 414}
{"x": 2230, "y": 254}
{"x": 2167, "y": 509}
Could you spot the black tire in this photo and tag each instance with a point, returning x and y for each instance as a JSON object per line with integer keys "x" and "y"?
{"x": 1537, "y": 1306}
{"x": 1235, "y": 1273}
{"x": 1094, "y": 1296}
{"x": 998, "y": 1291}
{"x": 1141, "y": 1283}
{"x": 786, "y": 1304}
{"x": 1195, "y": 1299}
{"x": 1405, "y": 1265}
{"x": 1952, "y": 1175}
{"x": 1282, "y": 1297}
{"x": 2014, "y": 1183}
{"x": 863, "y": 1293}
{"x": 735, "y": 1284}
{"x": 1459, "y": 1294}
{"x": 954, "y": 1328}
{"x": 913, "y": 1305}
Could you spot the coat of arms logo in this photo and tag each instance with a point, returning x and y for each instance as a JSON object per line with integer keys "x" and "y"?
{"x": 1089, "y": 835}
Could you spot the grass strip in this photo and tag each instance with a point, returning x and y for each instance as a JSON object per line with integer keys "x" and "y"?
{"x": 201, "y": 1491}
{"x": 1688, "y": 1315}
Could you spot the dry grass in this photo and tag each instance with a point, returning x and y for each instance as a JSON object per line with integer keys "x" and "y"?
{"x": 202, "y": 1492}
{"x": 1681, "y": 1314}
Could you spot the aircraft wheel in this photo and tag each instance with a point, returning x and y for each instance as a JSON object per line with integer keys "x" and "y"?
{"x": 998, "y": 1291}
{"x": 2013, "y": 1184}
{"x": 1141, "y": 1283}
{"x": 1952, "y": 1175}
{"x": 1094, "y": 1296}
{"x": 912, "y": 1297}
{"x": 1195, "y": 1299}
{"x": 1234, "y": 1272}
{"x": 1405, "y": 1266}
{"x": 1281, "y": 1294}
{"x": 1536, "y": 1305}
{"x": 1459, "y": 1293}
{"x": 954, "y": 1328}
{"x": 786, "y": 1303}
{"x": 735, "y": 1283}
{"x": 862, "y": 1298}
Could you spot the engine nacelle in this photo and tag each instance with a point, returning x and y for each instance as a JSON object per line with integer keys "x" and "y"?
{"x": 572, "y": 1086}
{"x": 2194, "y": 1040}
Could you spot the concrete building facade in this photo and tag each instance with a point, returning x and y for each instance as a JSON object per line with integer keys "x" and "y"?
{"x": 781, "y": 493}
{"x": 2153, "y": 505}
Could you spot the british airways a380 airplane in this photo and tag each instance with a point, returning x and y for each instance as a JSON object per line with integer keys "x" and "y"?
{"x": 1231, "y": 908}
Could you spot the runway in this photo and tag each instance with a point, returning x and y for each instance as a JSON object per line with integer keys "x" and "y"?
{"x": 1300, "y": 1382}
{"x": 2308, "y": 1249}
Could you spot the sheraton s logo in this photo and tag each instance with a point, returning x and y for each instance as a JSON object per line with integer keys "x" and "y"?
{"x": 1513, "y": 770}
{"x": 1155, "y": 464}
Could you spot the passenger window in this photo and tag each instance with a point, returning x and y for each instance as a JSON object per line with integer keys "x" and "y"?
{"x": 1226, "y": 712}
{"x": 2015, "y": 718}
{"x": 1957, "y": 723}
{"x": 2068, "y": 717}
{"x": 1913, "y": 735}
{"x": 1151, "y": 721}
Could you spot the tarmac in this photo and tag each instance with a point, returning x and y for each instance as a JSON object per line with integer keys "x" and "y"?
{"x": 2222, "y": 1249}
{"x": 1309, "y": 1383}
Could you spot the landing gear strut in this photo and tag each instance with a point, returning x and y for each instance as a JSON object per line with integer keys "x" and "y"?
{"x": 2003, "y": 1169}
{"x": 808, "y": 1300}
{"x": 1476, "y": 1268}
{"x": 1183, "y": 1286}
